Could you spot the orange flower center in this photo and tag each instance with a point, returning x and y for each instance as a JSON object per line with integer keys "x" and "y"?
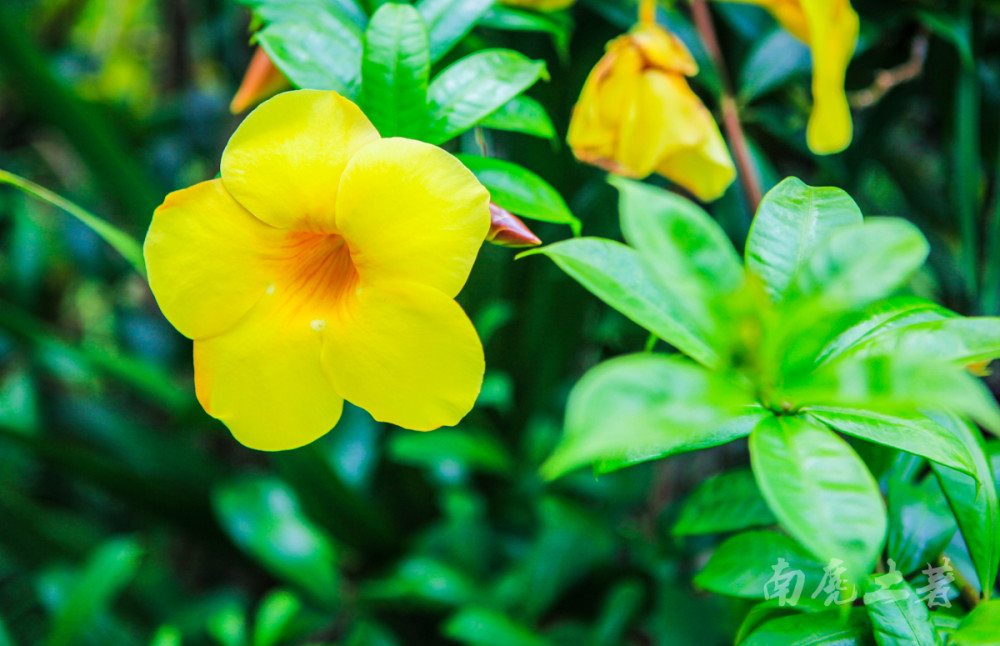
{"x": 316, "y": 268}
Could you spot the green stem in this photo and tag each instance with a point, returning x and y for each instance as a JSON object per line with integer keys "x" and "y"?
{"x": 965, "y": 165}
{"x": 123, "y": 243}
{"x": 989, "y": 293}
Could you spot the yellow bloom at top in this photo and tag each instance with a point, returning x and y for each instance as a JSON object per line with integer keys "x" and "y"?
{"x": 830, "y": 29}
{"x": 323, "y": 267}
{"x": 637, "y": 115}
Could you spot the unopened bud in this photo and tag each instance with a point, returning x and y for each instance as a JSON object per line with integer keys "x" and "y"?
{"x": 262, "y": 80}
{"x": 507, "y": 230}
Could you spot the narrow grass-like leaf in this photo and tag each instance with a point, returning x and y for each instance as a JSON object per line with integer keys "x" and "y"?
{"x": 123, "y": 243}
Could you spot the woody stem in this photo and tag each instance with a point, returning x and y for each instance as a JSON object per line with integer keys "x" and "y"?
{"x": 730, "y": 113}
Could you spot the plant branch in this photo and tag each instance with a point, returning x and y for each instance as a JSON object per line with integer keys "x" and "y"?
{"x": 730, "y": 113}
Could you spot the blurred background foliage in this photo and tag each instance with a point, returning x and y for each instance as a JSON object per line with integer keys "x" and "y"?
{"x": 127, "y": 516}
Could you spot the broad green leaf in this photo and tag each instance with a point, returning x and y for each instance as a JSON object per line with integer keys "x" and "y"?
{"x": 728, "y": 502}
{"x": 628, "y": 403}
{"x": 520, "y": 191}
{"x": 856, "y": 265}
{"x": 558, "y": 24}
{"x": 958, "y": 340}
{"x": 120, "y": 241}
{"x": 277, "y": 10}
{"x": 262, "y": 517}
{"x": 227, "y": 625}
{"x": 522, "y": 114}
{"x": 914, "y": 433}
{"x": 448, "y": 21}
{"x": 475, "y": 87}
{"x": 733, "y": 429}
{"x": 680, "y": 238}
{"x": 166, "y": 635}
{"x": 106, "y": 573}
{"x": 921, "y": 524}
{"x": 896, "y": 385}
{"x": 316, "y": 47}
{"x": 898, "y": 616}
{"x": 773, "y": 60}
{"x": 422, "y": 581}
{"x": 458, "y": 447}
{"x": 619, "y": 276}
{"x": 479, "y": 626}
{"x": 976, "y": 506}
{"x": 980, "y": 627}
{"x": 275, "y": 613}
{"x": 791, "y": 221}
{"x": 395, "y": 71}
{"x": 828, "y": 628}
{"x": 744, "y": 564}
{"x": 879, "y": 318}
{"x": 820, "y": 490}
{"x": 761, "y": 614}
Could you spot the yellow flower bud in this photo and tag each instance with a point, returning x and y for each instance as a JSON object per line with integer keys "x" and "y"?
{"x": 262, "y": 80}
{"x": 637, "y": 115}
{"x": 830, "y": 29}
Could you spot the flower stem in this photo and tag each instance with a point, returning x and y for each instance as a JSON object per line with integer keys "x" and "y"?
{"x": 730, "y": 113}
{"x": 647, "y": 12}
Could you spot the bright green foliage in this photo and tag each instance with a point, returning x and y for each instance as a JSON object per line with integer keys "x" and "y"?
{"x": 814, "y": 339}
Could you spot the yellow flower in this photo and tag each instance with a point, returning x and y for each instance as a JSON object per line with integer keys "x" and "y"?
{"x": 830, "y": 29}
{"x": 637, "y": 115}
{"x": 540, "y": 5}
{"x": 323, "y": 267}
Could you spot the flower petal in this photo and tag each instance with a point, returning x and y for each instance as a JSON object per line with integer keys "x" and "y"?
{"x": 833, "y": 35}
{"x": 706, "y": 170}
{"x": 264, "y": 380}
{"x": 202, "y": 253}
{"x": 408, "y": 355}
{"x": 410, "y": 211}
{"x": 285, "y": 160}
{"x": 665, "y": 116}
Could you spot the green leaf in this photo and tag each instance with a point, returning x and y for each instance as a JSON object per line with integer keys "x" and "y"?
{"x": 395, "y": 71}
{"x": 520, "y": 191}
{"x": 120, "y": 241}
{"x": 522, "y": 114}
{"x": 913, "y": 433}
{"x": 813, "y": 629}
{"x": 620, "y": 277}
{"x": 275, "y": 613}
{"x": 732, "y": 429}
{"x": 896, "y": 385}
{"x": 316, "y": 47}
{"x": 278, "y": 10}
{"x": 558, "y": 24}
{"x": 921, "y": 524}
{"x": 898, "y": 616}
{"x": 448, "y": 21}
{"x": 791, "y": 221}
{"x": 622, "y": 604}
{"x": 773, "y": 61}
{"x": 957, "y": 340}
{"x": 820, "y": 490}
{"x": 459, "y": 446}
{"x": 475, "y": 87}
{"x": 744, "y": 564}
{"x": 632, "y": 402}
{"x": 263, "y": 518}
{"x": 726, "y": 503}
{"x": 856, "y": 265}
{"x": 479, "y": 626}
{"x": 106, "y": 573}
{"x": 761, "y": 614}
{"x": 980, "y": 627}
{"x": 422, "y": 581}
{"x": 879, "y": 318}
{"x": 976, "y": 506}
{"x": 678, "y": 235}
